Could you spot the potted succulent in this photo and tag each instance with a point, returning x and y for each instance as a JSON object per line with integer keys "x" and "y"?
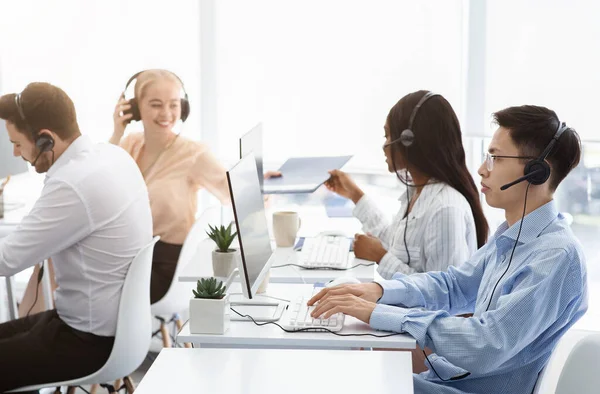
{"x": 209, "y": 309}
{"x": 224, "y": 259}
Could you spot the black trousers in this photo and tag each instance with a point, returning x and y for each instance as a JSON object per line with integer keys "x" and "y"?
{"x": 42, "y": 348}
{"x": 164, "y": 262}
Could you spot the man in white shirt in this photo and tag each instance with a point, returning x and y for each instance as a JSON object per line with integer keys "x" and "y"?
{"x": 92, "y": 218}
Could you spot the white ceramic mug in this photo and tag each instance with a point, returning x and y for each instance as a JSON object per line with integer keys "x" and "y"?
{"x": 285, "y": 227}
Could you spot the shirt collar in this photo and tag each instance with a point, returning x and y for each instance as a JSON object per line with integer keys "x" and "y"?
{"x": 80, "y": 144}
{"x": 533, "y": 224}
{"x": 431, "y": 189}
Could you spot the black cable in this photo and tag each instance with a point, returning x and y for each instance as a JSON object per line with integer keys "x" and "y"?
{"x": 439, "y": 377}
{"x": 322, "y": 268}
{"x": 37, "y": 288}
{"x": 315, "y": 329}
{"x": 513, "y": 249}
{"x": 406, "y": 221}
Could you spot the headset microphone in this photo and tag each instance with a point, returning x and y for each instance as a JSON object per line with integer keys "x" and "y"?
{"x": 521, "y": 179}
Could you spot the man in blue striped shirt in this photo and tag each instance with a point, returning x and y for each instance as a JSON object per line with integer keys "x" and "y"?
{"x": 525, "y": 287}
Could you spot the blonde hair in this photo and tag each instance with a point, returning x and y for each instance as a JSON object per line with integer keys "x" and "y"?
{"x": 148, "y": 77}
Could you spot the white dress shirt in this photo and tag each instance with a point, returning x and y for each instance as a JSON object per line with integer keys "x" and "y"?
{"x": 441, "y": 231}
{"x": 92, "y": 218}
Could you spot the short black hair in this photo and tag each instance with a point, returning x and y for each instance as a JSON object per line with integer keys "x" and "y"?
{"x": 531, "y": 128}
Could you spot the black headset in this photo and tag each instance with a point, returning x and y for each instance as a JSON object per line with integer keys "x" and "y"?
{"x": 537, "y": 172}
{"x": 43, "y": 142}
{"x": 135, "y": 109}
{"x": 407, "y": 137}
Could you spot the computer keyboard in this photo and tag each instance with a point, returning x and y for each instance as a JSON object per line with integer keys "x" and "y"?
{"x": 325, "y": 251}
{"x": 297, "y": 317}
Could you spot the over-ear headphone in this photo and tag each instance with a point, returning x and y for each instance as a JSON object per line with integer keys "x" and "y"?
{"x": 538, "y": 171}
{"x": 43, "y": 142}
{"x": 407, "y": 137}
{"x": 135, "y": 109}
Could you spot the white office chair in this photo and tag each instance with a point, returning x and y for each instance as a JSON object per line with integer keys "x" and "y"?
{"x": 573, "y": 365}
{"x": 179, "y": 293}
{"x": 134, "y": 326}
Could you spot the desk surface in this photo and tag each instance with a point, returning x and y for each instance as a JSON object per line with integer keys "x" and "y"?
{"x": 201, "y": 267}
{"x": 246, "y": 334}
{"x": 253, "y": 371}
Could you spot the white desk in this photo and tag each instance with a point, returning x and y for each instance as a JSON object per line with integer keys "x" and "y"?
{"x": 246, "y": 334}
{"x": 201, "y": 267}
{"x": 252, "y": 371}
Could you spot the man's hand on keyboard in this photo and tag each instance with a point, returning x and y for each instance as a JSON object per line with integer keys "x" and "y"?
{"x": 367, "y": 247}
{"x": 367, "y": 291}
{"x": 347, "y": 304}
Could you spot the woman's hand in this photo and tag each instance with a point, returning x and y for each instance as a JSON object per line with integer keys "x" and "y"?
{"x": 342, "y": 184}
{"x": 120, "y": 120}
{"x": 368, "y": 247}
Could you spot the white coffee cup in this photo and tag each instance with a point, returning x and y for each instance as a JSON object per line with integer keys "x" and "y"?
{"x": 285, "y": 227}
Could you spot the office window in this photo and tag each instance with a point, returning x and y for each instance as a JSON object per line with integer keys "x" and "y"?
{"x": 90, "y": 49}
{"x": 322, "y": 75}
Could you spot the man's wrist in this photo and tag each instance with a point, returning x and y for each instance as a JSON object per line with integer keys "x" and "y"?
{"x": 380, "y": 291}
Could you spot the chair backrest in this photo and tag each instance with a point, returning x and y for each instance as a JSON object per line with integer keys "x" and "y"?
{"x": 179, "y": 293}
{"x": 134, "y": 323}
{"x": 572, "y": 365}
{"x": 134, "y": 326}
{"x": 580, "y": 373}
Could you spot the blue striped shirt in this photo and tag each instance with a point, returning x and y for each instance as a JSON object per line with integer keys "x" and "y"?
{"x": 543, "y": 293}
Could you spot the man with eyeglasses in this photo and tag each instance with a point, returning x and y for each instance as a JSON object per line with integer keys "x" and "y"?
{"x": 525, "y": 287}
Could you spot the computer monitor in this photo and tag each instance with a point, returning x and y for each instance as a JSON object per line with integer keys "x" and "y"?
{"x": 9, "y": 164}
{"x": 251, "y": 222}
{"x": 252, "y": 142}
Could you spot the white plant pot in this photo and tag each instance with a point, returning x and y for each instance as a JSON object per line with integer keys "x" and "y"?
{"x": 224, "y": 262}
{"x": 209, "y": 316}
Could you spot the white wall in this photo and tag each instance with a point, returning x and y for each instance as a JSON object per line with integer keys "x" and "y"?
{"x": 91, "y": 48}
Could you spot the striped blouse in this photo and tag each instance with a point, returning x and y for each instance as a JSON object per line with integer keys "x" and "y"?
{"x": 441, "y": 231}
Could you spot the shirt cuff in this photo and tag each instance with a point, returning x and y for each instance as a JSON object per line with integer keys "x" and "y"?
{"x": 394, "y": 291}
{"x": 361, "y": 209}
{"x": 388, "y": 318}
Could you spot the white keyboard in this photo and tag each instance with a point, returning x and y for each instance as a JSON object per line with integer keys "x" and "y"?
{"x": 297, "y": 317}
{"x": 325, "y": 251}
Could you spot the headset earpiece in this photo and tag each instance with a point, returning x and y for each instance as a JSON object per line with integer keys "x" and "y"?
{"x": 185, "y": 108}
{"x": 134, "y": 109}
{"x": 407, "y": 137}
{"x": 44, "y": 143}
{"x": 537, "y": 172}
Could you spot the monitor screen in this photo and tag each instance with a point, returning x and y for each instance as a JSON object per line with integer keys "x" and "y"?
{"x": 251, "y": 222}
{"x": 251, "y": 142}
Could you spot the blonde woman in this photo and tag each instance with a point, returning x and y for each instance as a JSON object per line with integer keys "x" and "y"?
{"x": 174, "y": 167}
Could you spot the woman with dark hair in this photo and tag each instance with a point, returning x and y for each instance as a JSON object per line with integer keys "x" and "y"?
{"x": 441, "y": 222}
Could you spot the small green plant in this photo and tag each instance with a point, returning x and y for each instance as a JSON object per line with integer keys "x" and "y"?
{"x": 222, "y": 237}
{"x": 209, "y": 288}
